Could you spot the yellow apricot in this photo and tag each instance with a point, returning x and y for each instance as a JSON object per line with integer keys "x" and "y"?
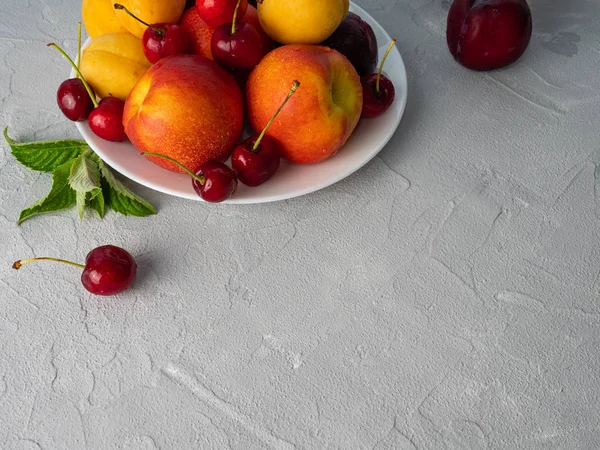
{"x": 150, "y": 11}
{"x": 99, "y": 18}
{"x": 301, "y": 21}
{"x": 113, "y": 63}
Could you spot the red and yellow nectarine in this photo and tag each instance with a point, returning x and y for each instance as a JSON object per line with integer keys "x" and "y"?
{"x": 186, "y": 107}
{"x": 319, "y": 119}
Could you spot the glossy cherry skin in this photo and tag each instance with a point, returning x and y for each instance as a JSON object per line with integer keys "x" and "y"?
{"x": 109, "y": 270}
{"x": 220, "y": 182}
{"x": 218, "y": 12}
{"x": 253, "y": 168}
{"x": 376, "y": 103}
{"x": 488, "y": 34}
{"x": 106, "y": 120}
{"x": 73, "y": 100}
{"x": 174, "y": 40}
{"x": 242, "y": 50}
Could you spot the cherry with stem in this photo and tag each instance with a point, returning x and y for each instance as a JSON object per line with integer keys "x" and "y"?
{"x": 106, "y": 117}
{"x": 257, "y": 158}
{"x": 161, "y": 39}
{"x": 74, "y": 96}
{"x": 378, "y": 90}
{"x": 214, "y": 181}
{"x": 108, "y": 269}
{"x": 237, "y": 45}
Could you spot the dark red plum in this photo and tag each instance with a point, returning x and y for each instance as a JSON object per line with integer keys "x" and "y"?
{"x": 355, "y": 39}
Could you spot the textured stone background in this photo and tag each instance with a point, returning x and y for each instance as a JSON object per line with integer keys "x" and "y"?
{"x": 446, "y": 296}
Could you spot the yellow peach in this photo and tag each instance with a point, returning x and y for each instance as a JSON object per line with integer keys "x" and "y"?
{"x": 150, "y": 11}
{"x": 301, "y": 21}
{"x": 113, "y": 63}
{"x": 99, "y": 18}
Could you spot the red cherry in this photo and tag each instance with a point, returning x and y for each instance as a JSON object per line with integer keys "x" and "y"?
{"x": 218, "y": 12}
{"x": 161, "y": 39}
{"x": 257, "y": 158}
{"x": 378, "y": 90}
{"x": 108, "y": 270}
{"x": 106, "y": 120}
{"x": 219, "y": 182}
{"x": 73, "y": 100}
{"x": 214, "y": 181}
{"x": 241, "y": 49}
{"x": 173, "y": 40}
{"x": 376, "y": 102}
{"x": 254, "y": 167}
{"x": 237, "y": 46}
{"x": 75, "y": 97}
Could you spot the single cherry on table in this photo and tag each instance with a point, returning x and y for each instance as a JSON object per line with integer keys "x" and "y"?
{"x": 378, "y": 90}
{"x": 257, "y": 158}
{"x": 214, "y": 181}
{"x": 108, "y": 269}
{"x": 161, "y": 39}
{"x": 237, "y": 45}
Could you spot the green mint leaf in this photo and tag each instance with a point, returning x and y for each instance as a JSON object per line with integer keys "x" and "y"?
{"x": 45, "y": 156}
{"x": 80, "y": 200}
{"x": 120, "y": 198}
{"x": 96, "y": 202}
{"x": 61, "y": 196}
{"x": 85, "y": 174}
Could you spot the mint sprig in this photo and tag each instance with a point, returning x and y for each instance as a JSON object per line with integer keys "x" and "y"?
{"x": 47, "y": 155}
{"x": 119, "y": 198}
{"x": 79, "y": 177}
{"x": 85, "y": 180}
{"x": 61, "y": 196}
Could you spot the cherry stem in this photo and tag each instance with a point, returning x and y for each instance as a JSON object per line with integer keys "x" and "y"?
{"x": 85, "y": 83}
{"x": 295, "y": 85}
{"x": 155, "y": 29}
{"x": 17, "y": 265}
{"x": 387, "y": 52}
{"x": 199, "y": 179}
{"x": 78, "y": 44}
{"x": 235, "y": 11}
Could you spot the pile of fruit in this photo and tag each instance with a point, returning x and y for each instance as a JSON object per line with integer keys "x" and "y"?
{"x": 179, "y": 81}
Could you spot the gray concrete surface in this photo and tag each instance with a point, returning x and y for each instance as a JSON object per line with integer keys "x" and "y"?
{"x": 446, "y": 296}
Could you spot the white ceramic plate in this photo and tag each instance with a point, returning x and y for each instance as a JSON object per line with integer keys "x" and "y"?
{"x": 291, "y": 180}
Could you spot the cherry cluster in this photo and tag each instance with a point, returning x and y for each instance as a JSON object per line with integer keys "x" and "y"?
{"x": 77, "y": 100}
